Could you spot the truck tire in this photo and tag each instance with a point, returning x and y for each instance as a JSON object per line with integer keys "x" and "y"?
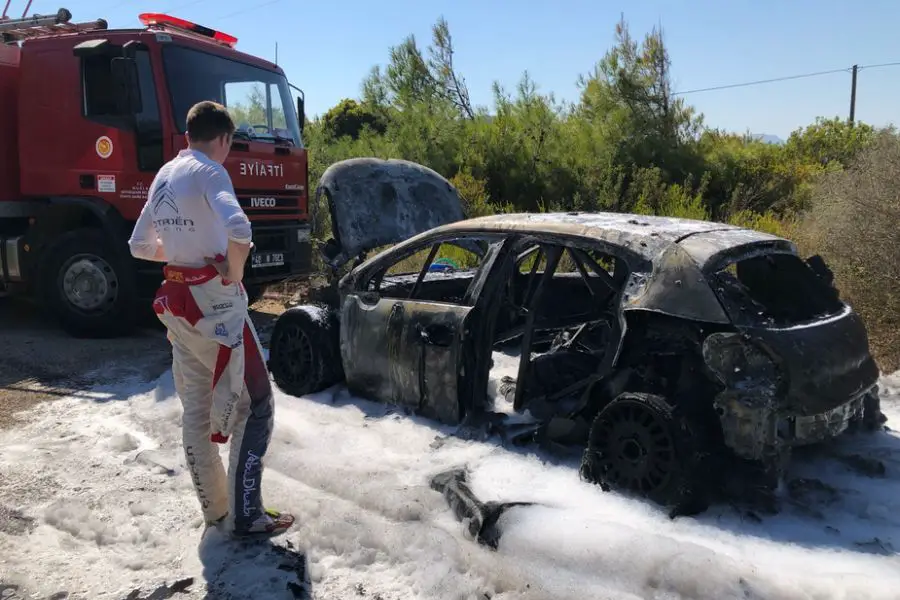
{"x": 304, "y": 351}
{"x": 87, "y": 285}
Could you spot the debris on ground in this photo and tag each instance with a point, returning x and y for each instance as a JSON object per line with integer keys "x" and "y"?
{"x": 812, "y": 491}
{"x": 871, "y": 467}
{"x": 480, "y": 518}
{"x": 163, "y": 592}
{"x": 876, "y": 546}
{"x": 809, "y": 495}
{"x": 13, "y": 522}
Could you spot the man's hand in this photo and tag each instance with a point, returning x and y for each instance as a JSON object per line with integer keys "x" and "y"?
{"x": 231, "y": 268}
{"x": 236, "y": 258}
{"x": 220, "y": 265}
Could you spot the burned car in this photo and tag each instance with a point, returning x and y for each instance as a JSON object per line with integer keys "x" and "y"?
{"x": 665, "y": 351}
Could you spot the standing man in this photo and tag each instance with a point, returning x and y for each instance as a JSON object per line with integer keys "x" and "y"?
{"x": 191, "y": 215}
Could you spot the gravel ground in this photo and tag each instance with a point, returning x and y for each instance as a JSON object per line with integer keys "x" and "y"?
{"x": 39, "y": 362}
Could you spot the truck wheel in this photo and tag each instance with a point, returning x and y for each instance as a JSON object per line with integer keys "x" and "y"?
{"x": 87, "y": 285}
{"x": 304, "y": 351}
{"x": 638, "y": 445}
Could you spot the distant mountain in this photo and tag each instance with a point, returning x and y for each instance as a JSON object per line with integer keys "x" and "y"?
{"x": 767, "y": 138}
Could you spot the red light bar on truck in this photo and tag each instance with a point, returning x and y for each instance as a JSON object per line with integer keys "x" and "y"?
{"x": 164, "y": 21}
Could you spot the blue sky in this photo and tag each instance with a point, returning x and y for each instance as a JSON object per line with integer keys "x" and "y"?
{"x": 328, "y": 47}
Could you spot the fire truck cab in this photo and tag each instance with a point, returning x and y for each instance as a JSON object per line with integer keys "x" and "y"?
{"x": 87, "y": 117}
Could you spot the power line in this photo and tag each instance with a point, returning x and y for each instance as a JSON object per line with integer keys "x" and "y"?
{"x": 786, "y": 78}
{"x": 890, "y": 64}
{"x": 761, "y": 81}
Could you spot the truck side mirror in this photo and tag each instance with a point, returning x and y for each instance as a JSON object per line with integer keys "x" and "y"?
{"x": 127, "y": 85}
{"x": 301, "y": 112}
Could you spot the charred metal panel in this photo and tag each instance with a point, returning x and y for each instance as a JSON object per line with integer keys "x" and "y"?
{"x": 826, "y": 362}
{"x": 749, "y": 422}
{"x": 755, "y": 428}
{"x": 789, "y": 386}
{"x": 709, "y": 249}
{"x": 676, "y": 287}
{"x": 378, "y": 202}
{"x": 404, "y": 352}
{"x": 480, "y": 518}
{"x": 830, "y": 424}
{"x": 438, "y": 330}
{"x": 368, "y": 351}
{"x": 644, "y": 234}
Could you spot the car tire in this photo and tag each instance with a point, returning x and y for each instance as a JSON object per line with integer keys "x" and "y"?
{"x": 304, "y": 351}
{"x": 87, "y": 285}
{"x": 639, "y": 444}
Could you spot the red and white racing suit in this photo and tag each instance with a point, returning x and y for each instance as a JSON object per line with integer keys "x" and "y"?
{"x": 217, "y": 363}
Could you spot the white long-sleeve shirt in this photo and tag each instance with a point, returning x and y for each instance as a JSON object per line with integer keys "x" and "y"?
{"x": 191, "y": 210}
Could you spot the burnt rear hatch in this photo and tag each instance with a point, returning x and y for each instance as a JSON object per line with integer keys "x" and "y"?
{"x": 819, "y": 344}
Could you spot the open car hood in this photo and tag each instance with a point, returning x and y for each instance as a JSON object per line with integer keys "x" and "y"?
{"x": 374, "y": 202}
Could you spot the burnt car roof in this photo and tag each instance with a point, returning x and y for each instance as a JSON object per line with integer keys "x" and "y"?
{"x": 647, "y": 236}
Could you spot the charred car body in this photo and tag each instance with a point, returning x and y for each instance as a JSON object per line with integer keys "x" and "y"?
{"x": 666, "y": 350}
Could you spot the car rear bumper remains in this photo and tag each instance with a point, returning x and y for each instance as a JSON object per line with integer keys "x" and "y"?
{"x": 755, "y": 428}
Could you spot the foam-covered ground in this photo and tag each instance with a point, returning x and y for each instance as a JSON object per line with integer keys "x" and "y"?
{"x": 88, "y": 506}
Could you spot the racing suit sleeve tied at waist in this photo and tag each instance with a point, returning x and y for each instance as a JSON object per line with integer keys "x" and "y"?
{"x": 223, "y": 385}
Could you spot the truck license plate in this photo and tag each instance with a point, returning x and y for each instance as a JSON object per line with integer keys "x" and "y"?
{"x": 268, "y": 259}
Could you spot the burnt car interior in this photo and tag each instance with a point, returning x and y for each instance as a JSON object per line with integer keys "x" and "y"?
{"x": 559, "y": 309}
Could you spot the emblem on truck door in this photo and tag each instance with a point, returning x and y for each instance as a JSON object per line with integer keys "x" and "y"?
{"x": 104, "y": 147}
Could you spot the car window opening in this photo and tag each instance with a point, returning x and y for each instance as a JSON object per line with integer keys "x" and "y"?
{"x": 568, "y": 318}
{"x": 774, "y": 290}
{"x": 441, "y": 272}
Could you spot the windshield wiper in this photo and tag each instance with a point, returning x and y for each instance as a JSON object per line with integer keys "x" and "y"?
{"x": 267, "y": 137}
{"x": 279, "y": 138}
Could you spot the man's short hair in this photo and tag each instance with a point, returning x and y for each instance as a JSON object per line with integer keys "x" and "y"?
{"x": 208, "y": 120}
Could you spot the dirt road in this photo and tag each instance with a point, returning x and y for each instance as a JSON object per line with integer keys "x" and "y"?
{"x": 39, "y": 362}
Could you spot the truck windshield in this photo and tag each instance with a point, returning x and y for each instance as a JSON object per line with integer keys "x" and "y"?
{"x": 259, "y": 101}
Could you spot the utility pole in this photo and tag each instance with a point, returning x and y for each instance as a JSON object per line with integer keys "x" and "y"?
{"x": 853, "y": 95}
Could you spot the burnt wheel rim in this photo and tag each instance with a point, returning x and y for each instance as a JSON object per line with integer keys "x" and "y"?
{"x": 633, "y": 448}
{"x": 295, "y": 355}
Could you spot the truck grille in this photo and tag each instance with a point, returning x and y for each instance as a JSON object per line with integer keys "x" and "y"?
{"x": 265, "y": 203}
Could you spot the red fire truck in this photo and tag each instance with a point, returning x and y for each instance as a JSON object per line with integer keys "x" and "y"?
{"x": 87, "y": 117}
